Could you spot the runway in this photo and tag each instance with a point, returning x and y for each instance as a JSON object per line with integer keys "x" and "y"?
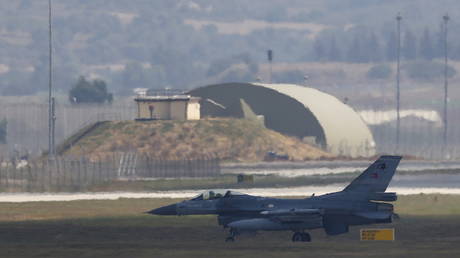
{"x": 303, "y": 191}
{"x": 296, "y": 169}
{"x": 425, "y": 179}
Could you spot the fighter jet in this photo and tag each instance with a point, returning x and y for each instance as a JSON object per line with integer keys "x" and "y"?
{"x": 362, "y": 202}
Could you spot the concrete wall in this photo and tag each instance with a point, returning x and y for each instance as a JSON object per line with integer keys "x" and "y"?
{"x": 161, "y": 110}
{"x": 193, "y": 110}
{"x": 176, "y": 110}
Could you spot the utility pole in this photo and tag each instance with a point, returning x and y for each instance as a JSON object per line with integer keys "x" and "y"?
{"x": 398, "y": 122}
{"x": 51, "y": 112}
{"x": 270, "y": 61}
{"x": 446, "y": 19}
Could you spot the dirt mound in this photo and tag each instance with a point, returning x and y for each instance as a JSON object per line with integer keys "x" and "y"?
{"x": 230, "y": 139}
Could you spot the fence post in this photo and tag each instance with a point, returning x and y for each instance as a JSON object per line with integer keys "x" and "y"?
{"x": 72, "y": 174}
{"x": 42, "y": 176}
{"x": 114, "y": 173}
{"x": 79, "y": 175}
{"x": 85, "y": 173}
{"x": 107, "y": 166}
{"x": 93, "y": 173}
{"x": 218, "y": 165}
{"x": 1, "y": 170}
{"x": 189, "y": 167}
{"x": 34, "y": 176}
{"x": 50, "y": 175}
{"x": 22, "y": 181}
{"x": 160, "y": 167}
{"x": 58, "y": 174}
{"x": 29, "y": 178}
{"x": 99, "y": 165}
{"x": 64, "y": 174}
{"x": 7, "y": 175}
{"x": 148, "y": 166}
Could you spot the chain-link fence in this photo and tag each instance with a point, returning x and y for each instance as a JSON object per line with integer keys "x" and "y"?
{"x": 71, "y": 174}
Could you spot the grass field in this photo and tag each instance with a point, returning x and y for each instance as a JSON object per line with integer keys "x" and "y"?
{"x": 233, "y": 139}
{"x": 429, "y": 227}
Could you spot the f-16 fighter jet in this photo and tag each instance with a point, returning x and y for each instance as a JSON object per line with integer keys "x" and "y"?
{"x": 362, "y": 202}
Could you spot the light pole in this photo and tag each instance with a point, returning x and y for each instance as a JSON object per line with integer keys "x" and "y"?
{"x": 446, "y": 19}
{"x": 51, "y": 107}
{"x": 305, "y": 79}
{"x": 398, "y": 54}
{"x": 270, "y": 60}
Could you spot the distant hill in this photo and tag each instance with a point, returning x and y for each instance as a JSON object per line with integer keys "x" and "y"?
{"x": 230, "y": 139}
{"x": 183, "y": 43}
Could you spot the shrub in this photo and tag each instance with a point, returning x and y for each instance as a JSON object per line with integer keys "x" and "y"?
{"x": 290, "y": 76}
{"x": 380, "y": 71}
{"x": 90, "y": 92}
{"x": 426, "y": 70}
{"x": 3, "y": 124}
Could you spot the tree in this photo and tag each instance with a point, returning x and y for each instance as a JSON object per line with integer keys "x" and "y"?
{"x": 180, "y": 68}
{"x": 3, "y": 125}
{"x": 290, "y": 76}
{"x": 426, "y": 46}
{"x": 221, "y": 65}
{"x": 409, "y": 47}
{"x": 427, "y": 70}
{"x": 379, "y": 71}
{"x": 137, "y": 75}
{"x": 373, "y": 48}
{"x": 318, "y": 49}
{"x": 356, "y": 53}
{"x": 438, "y": 46}
{"x": 391, "y": 47}
{"x": 85, "y": 91}
{"x": 334, "y": 52}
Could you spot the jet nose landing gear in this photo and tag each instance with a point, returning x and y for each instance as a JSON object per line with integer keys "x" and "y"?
{"x": 301, "y": 237}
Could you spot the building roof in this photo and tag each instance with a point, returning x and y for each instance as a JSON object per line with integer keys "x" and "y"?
{"x": 295, "y": 110}
{"x": 341, "y": 124}
{"x": 162, "y": 98}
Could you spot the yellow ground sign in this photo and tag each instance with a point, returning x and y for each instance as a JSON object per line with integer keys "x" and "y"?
{"x": 379, "y": 234}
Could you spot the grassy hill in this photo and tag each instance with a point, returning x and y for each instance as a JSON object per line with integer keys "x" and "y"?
{"x": 230, "y": 139}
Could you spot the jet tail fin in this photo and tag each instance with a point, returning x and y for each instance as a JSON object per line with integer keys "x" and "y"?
{"x": 376, "y": 177}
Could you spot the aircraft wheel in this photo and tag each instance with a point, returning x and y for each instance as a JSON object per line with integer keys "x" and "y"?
{"x": 306, "y": 237}
{"x": 297, "y": 237}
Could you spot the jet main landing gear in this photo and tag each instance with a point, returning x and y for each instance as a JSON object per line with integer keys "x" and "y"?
{"x": 301, "y": 237}
{"x": 231, "y": 237}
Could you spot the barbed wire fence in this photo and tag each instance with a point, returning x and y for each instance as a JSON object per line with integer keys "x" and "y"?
{"x": 79, "y": 174}
{"x": 419, "y": 136}
{"x": 27, "y": 129}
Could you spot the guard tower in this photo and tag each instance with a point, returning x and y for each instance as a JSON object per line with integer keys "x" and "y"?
{"x": 166, "y": 105}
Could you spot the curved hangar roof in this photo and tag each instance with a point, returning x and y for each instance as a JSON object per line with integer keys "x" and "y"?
{"x": 294, "y": 110}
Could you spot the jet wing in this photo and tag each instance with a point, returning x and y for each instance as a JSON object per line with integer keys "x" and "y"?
{"x": 311, "y": 218}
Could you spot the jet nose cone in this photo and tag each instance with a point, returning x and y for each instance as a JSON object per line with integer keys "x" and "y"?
{"x": 165, "y": 210}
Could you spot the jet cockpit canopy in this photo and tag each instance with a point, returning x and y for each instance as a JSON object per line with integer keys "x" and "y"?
{"x": 215, "y": 194}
